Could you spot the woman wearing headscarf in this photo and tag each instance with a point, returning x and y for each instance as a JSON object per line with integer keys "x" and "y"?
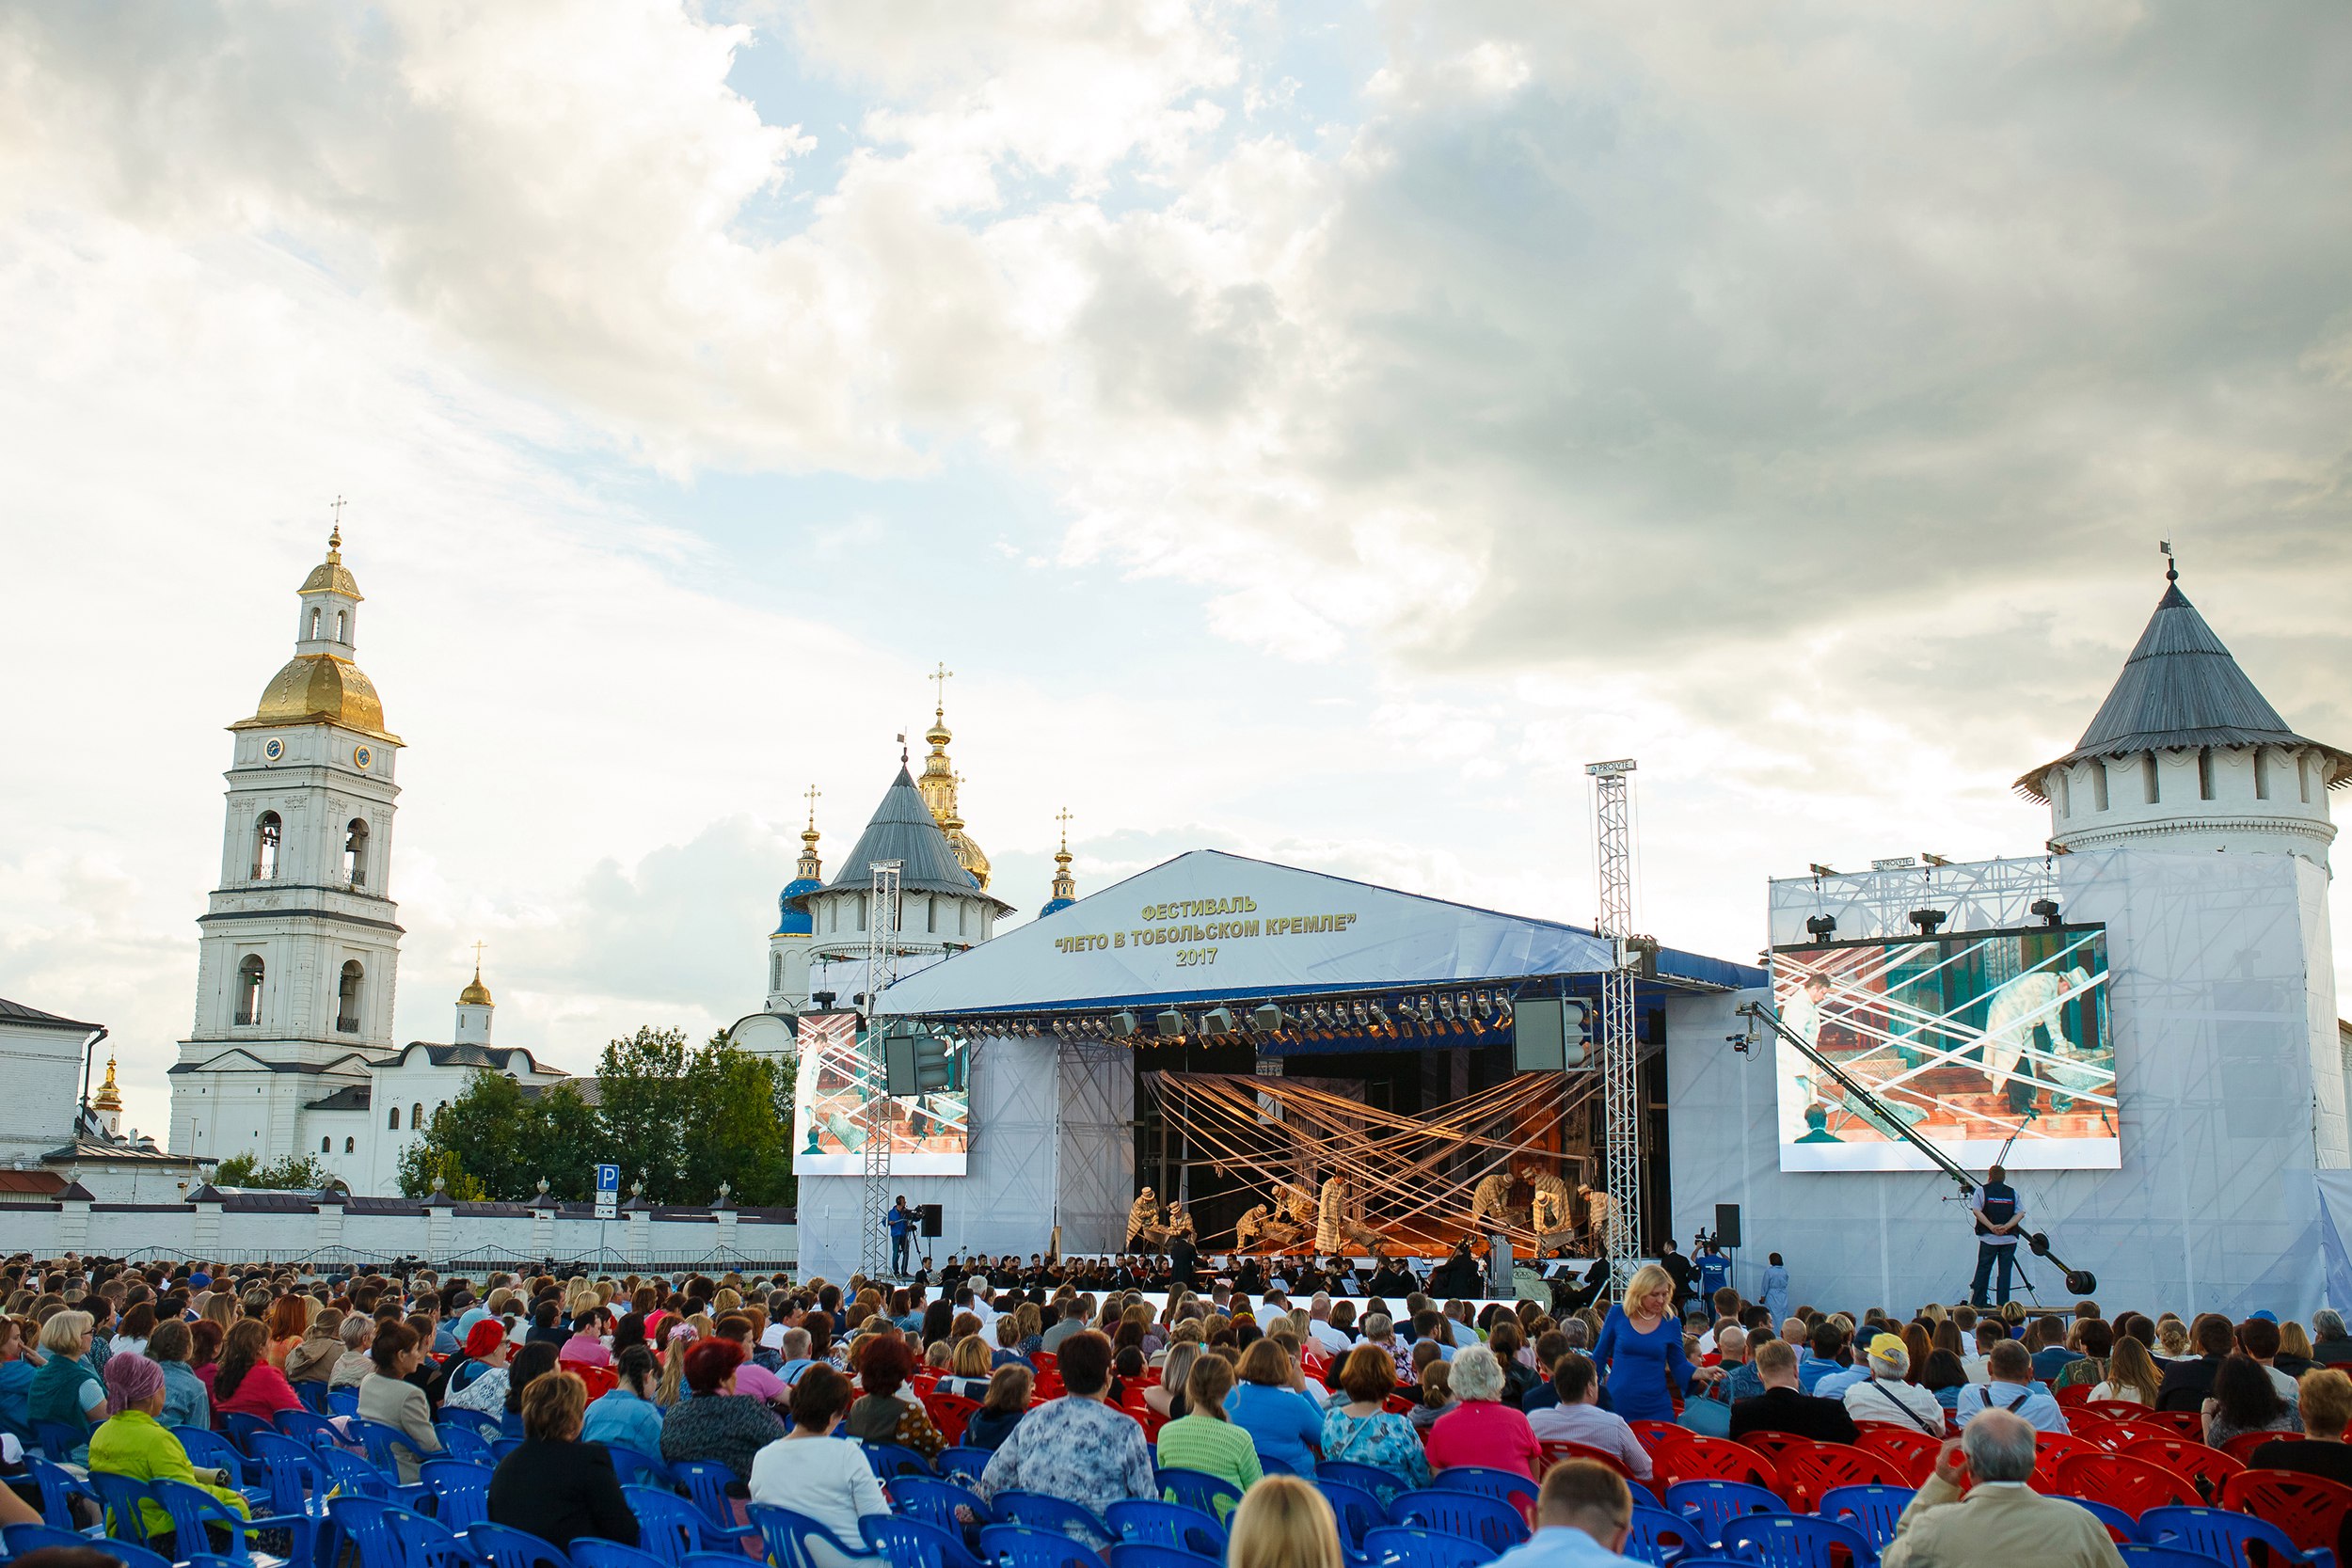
{"x": 133, "y": 1443}
{"x": 487, "y": 1351}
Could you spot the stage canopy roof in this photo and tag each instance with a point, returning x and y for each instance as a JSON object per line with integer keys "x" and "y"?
{"x": 1210, "y": 926}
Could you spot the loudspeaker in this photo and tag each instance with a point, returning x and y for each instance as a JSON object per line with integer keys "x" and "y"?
{"x": 1726, "y": 1224}
{"x": 931, "y": 1218}
{"x": 1548, "y": 1036}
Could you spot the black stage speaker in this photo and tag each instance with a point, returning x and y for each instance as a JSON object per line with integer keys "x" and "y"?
{"x": 1726, "y": 1224}
{"x": 931, "y": 1218}
{"x": 1548, "y": 1036}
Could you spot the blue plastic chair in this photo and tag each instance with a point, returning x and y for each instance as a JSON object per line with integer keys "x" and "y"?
{"x": 787, "y": 1535}
{"x": 120, "y": 1496}
{"x": 21, "y": 1539}
{"x": 1381, "y": 1484}
{"x": 1712, "y": 1504}
{"x": 384, "y": 1444}
{"x": 1041, "y": 1510}
{"x": 708, "y": 1484}
{"x": 1268, "y": 1465}
{"x": 1451, "y": 1511}
{"x": 353, "y": 1476}
{"x": 1795, "y": 1541}
{"x": 502, "y": 1547}
{"x": 365, "y": 1522}
{"x": 1505, "y": 1487}
{"x": 1140, "y": 1522}
{"x": 891, "y": 1459}
{"x": 670, "y": 1526}
{"x": 1359, "y": 1510}
{"x": 2122, "y": 1525}
{"x": 589, "y": 1552}
{"x": 2146, "y": 1555}
{"x": 461, "y": 1492}
{"x": 305, "y": 1426}
{"x": 463, "y": 1442}
{"x": 1144, "y": 1554}
{"x": 58, "y": 1487}
{"x": 208, "y": 1449}
{"x": 1196, "y": 1489}
{"x": 313, "y": 1393}
{"x": 1021, "y": 1546}
{"x": 1403, "y": 1546}
{"x": 935, "y": 1501}
{"x": 2217, "y": 1532}
{"x": 194, "y": 1511}
{"x": 61, "y": 1442}
{"x": 905, "y": 1543}
{"x": 501, "y": 1447}
{"x": 1871, "y": 1509}
{"x": 488, "y": 1428}
{"x": 963, "y": 1460}
{"x": 298, "y": 1480}
{"x": 241, "y": 1426}
{"x": 633, "y": 1468}
{"x": 425, "y": 1542}
{"x": 343, "y": 1401}
{"x": 1658, "y": 1535}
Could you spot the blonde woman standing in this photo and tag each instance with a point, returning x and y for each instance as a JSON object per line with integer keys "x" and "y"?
{"x": 1640, "y": 1352}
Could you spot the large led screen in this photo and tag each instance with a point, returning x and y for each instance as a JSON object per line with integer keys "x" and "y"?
{"x": 929, "y": 1134}
{"x": 1991, "y": 1045}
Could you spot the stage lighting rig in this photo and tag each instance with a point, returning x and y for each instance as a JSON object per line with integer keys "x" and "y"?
{"x": 1445, "y": 1006}
{"x": 2046, "y": 910}
{"x": 1821, "y": 925}
{"x": 1268, "y": 1018}
{"x": 1171, "y": 1025}
{"x": 1927, "y": 920}
{"x": 1123, "y": 1025}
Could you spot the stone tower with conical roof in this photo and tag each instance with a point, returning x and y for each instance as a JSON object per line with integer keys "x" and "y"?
{"x": 2186, "y": 754}
{"x": 299, "y": 943}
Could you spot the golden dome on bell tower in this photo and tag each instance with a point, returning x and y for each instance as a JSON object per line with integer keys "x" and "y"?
{"x": 939, "y": 781}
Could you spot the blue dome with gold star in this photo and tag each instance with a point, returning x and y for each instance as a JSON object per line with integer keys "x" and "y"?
{"x": 792, "y": 918}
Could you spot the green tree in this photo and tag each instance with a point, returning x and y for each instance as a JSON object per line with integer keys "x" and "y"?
{"x": 687, "y": 1118}
{"x": 503, "y": 1140}
{"x": 425, "y": 1169}
{"x": 294, "y": 1172}
{"x": 643, "y": 1110}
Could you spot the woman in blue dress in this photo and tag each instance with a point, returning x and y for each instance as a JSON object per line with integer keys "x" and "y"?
{"x": 1776, "y": 1290}
{"x": 1641, "y": 1349}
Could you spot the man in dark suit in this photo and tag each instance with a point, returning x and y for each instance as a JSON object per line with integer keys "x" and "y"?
{"x": 2187, "y": 1383}
{"x": 1784, "y": 1407}
{"x": 1184, "y": 1262}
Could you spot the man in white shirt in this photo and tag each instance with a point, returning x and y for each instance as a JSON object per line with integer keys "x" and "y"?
{"x": 2010, "y": 1386}
{"x": 1989, "y": 1334}
{"x": 1578, "y": 1418}
{"x": 1801, "y": 1015}
{"x": 1582, "y": 1517}
{"x": 1319, "y": 1326}
{"x": 1276, "y": 1309}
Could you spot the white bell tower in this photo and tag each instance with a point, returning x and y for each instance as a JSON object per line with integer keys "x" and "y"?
{"x": 300, "y": 942}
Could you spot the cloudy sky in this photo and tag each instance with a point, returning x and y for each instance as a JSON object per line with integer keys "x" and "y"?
{"x": 1311, "y": 430}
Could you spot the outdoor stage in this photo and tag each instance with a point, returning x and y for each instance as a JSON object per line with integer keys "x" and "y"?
{"x": 1120, "y": 1043}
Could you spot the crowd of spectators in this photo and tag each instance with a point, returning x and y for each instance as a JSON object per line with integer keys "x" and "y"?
{"x": 1067, "y": 1389}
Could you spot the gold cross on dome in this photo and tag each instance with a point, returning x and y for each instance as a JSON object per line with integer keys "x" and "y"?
{"x": 812, "y": 805}
{"x": 477, "y": 958}
{"x": 1063, "y": 817}
{"x": 940, "y": 678}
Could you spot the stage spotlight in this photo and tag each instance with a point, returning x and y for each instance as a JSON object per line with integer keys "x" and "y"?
{"x": 1927, "y": 920}
{"x": 1486, "y": 1004}
{"x": 1267, "y": 1018}
{"x": 1445, "y": 1007}
{"x": 2047, "y": 910}
{"x": 1380, "y": 1019}
{"x": 1171, "y": 1025}
{"x": 1217, "y": 1020}
{"x": 1822, "y": 926}
{"x": 1123, "y": 1025}
{"x": 1362, "y": 1018}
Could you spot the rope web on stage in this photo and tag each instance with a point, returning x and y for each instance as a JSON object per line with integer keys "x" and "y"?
{"x": 1414, "y": 1174}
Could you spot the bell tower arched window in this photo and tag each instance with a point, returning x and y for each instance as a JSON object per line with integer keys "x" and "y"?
{"x": 355, "y": 852}
{"x": 347, "y": 998}
{"x": 339, "y": 627}
{"x": 269, "y": 836}
{"x": 249, "y": 988}
{"x": 392, "y": 1121}
{"x": 315, "y": 622}
{"x": 350, "y": 1145}
{"x": 416, "y": 1115}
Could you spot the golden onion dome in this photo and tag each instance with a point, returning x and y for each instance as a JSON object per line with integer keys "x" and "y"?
{"x": 320, "y": 687}
{"x": 476, "y": 994}
{"x": 331, "y": 575}
{"x": 108, "y": 1098}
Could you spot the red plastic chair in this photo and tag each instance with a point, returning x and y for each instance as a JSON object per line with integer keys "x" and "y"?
{"x": 949, "y": 1413}
{"x": 1910, "y": 1450}
{"x": 2209, "y": 1467}
{"x": 1698, "y": 1458}
{"x": 1807, "y": 1469}
{"x": 2048, "y": 1449}
{"x": 600, "y": 1380}
{"x": 2114, "y": 1410}
{"x": 2075, "y": 1394}
{"x": 2310, "y": 1510}
{"x": 2134, "y": 1485}
{"x": 1400, "y": 1405}
{"x": 2188, "y": 1423}
{"x": 1772, "y": 1445}
{"x": 2242, "y": 1447}
{"x": 1560, "y": 1448}
{"x": 1649, "y": 1434}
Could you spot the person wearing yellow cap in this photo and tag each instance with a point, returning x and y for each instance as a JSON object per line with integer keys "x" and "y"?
{"x": 1884, "y": 1395}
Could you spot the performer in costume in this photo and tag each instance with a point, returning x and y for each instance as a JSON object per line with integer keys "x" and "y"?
{"x": 1141, "y": 1216}
{"x": 1552, "y": 1229}
{"x": 1802, "y": 1015}
{"x": 1249, "y": 1227}
{"x": 1601, "y": 1215}
{"x": 2031, "y": 1001}
{"x": 1489, "y": 1202}
{"x": 1334, "y": 1225}
{"x": 1179, "y": 1223}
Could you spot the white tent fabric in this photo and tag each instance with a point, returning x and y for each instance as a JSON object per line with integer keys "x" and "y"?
{"x": 1209, "y": 923}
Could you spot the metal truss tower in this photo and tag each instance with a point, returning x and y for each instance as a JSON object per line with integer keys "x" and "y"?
{"x": 1621, "y": 1107}
{"x": 882, "y": 967}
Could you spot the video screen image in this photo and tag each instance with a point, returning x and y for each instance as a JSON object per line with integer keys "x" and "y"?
{"x": 929, "y": 1134}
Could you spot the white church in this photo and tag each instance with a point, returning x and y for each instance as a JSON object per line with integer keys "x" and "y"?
{"x": 291, "y": 1051}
